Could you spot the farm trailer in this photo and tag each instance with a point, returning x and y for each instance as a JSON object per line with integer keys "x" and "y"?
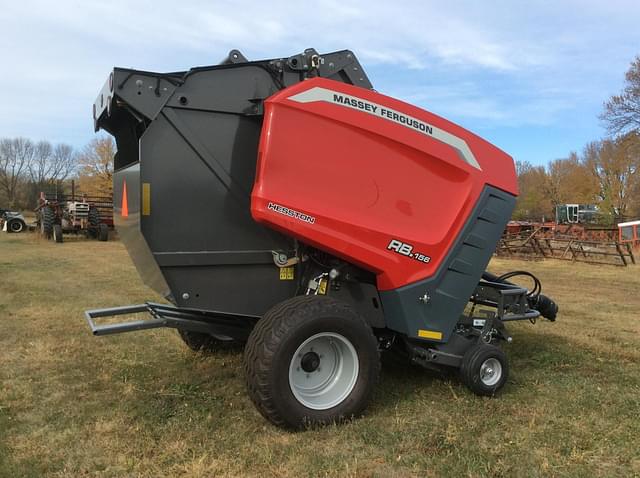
{"x": 285, "y": 205}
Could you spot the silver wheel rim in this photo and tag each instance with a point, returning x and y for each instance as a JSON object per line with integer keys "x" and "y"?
{"x": 16, "y": 226}
{"x": 490, "y": 372}
{"x": 332, "y": 380}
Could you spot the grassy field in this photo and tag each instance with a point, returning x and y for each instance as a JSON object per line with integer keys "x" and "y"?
{"x": 142, "y": 404}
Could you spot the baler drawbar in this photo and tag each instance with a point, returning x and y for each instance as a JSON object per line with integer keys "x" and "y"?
{"x": 285, "y": 206}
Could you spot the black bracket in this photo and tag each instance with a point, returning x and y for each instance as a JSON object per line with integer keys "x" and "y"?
{"x": 217, "y": 324}
{"x": 510, "y": 301}
{"x": 234, "y": 56}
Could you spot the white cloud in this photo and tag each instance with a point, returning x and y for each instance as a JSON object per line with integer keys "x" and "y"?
{"x": 528, "y": 63}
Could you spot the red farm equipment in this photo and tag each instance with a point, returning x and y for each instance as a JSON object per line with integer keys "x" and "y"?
{"x": 629, "y": 233}
{"x": 335, "y": 224}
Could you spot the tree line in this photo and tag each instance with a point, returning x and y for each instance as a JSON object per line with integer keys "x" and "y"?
{"x": 605, "y": 173}
{"x": 28, "y": 168}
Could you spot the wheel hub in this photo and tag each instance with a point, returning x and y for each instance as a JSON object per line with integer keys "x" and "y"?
{"x": 491, "y": 372}
{"x": 310, "y": 362}
{"x": 323, "y": 371}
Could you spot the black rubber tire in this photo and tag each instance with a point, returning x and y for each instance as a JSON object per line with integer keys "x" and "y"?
{"x": 16, "y": 226}
{"x": 94, "y": 222}
{"x": 103, "y": 232}
{"x": 274, "y": 341}
{"x": 57, "y": 233}
{"x": 200, "y": 342}
{"x": 472, "y": 364}
{"x": 46, "y": 222}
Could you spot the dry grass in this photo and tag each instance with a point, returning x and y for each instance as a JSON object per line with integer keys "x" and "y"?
{"x": 142, "y": 404}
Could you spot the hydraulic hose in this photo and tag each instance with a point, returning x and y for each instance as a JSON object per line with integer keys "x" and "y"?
{"x": 537, "y": 301}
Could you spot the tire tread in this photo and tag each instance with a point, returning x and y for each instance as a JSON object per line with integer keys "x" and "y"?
{"x": 269, "y": 333}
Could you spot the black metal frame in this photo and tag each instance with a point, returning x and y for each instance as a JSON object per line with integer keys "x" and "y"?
{"x": 218, "y": 324}
{"x": 511, "y": 303}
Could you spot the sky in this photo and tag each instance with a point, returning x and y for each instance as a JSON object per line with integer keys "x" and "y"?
{"x": 531, "y": 77}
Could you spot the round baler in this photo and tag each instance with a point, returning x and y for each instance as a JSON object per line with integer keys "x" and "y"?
{"x": 286, "y": 207}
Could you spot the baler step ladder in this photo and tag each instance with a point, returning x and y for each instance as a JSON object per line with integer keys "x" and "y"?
{"x": 218, "y": 324}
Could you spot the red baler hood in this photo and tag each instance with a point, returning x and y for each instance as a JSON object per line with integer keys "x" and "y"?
{"x": 347, "y": 170}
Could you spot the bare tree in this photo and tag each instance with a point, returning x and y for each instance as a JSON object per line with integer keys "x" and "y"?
{"x": 39, "y": 167}
{"x": 622, "y": 112}
{"x": 64, "y": 161}
{"x": 51, "y": 164}
{"x": 16, "y": 156}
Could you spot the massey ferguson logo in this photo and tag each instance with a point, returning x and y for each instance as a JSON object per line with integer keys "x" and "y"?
{"x": 383, "y": 112}
{"x": 318, "y": 93}
{"x": 291, "y": 213}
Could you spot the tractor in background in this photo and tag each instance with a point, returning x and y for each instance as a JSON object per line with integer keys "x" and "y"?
{"x": 59, "y": 214}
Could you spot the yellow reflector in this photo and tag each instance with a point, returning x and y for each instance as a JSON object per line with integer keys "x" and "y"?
{"x": 146, "y": 199}
{"x": 286, "y": 273}
{"x": 322, "y": 287}
{"x": 430, "y": 334}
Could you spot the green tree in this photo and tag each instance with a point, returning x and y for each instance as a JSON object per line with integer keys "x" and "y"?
{"x": 614, "y": 164}
{"x": 533, "y": 201}
{"x": 569, "y": 180}
{"x": 96, "y": 167}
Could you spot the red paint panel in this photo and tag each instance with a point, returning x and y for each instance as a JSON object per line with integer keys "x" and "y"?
{"x": 366, "y": 179}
